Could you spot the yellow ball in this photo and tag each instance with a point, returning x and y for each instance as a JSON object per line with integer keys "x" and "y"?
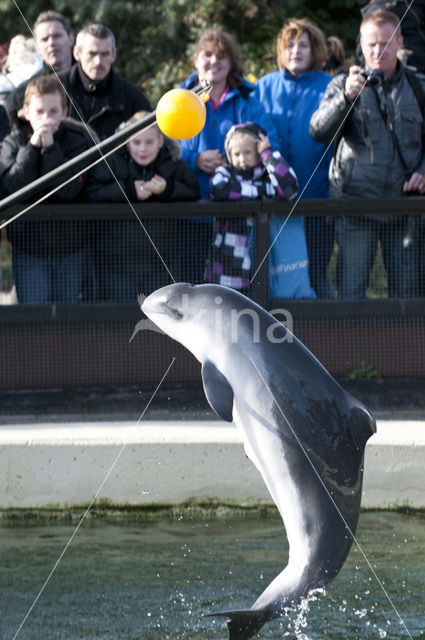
{"x": 180, "y": 114}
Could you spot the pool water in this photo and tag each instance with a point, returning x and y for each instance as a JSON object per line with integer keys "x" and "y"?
{"x": 155, "y": 580}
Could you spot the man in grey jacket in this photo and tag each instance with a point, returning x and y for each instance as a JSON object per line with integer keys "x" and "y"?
{"x": 379, "y": 153}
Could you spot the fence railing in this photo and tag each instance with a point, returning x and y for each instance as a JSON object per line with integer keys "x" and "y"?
{"x": 165, "y": 230}
{"x": 87, "y": 344}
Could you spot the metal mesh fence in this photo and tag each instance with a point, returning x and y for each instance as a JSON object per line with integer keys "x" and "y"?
{"x": 350, "y": 280}
{"x": 109, "y": 254}
{"x": 108, "y": 261}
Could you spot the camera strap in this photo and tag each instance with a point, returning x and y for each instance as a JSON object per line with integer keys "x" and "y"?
{"x": 383, "y": 110}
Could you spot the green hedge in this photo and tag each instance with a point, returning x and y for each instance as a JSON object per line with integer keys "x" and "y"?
{"x": 155, "y": 37}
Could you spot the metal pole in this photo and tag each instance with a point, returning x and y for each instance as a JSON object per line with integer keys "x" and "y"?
{"x": 83, "y": 160}
{"x": 75, "y": 164}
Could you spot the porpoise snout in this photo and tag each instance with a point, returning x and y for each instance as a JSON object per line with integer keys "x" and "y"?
{"x": 167, "y": 300}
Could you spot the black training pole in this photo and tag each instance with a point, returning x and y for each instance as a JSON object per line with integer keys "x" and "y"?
{"x": 81, "y": 162}
{"x": 75, "y": 164}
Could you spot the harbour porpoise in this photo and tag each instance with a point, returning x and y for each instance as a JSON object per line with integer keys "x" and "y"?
{"x": 303, "y": 432}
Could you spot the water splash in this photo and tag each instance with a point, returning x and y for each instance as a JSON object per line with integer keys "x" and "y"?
{"x": 300, "y": 623}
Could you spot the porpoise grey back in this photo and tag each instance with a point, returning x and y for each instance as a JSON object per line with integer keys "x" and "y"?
{"x": 303, "y": 432}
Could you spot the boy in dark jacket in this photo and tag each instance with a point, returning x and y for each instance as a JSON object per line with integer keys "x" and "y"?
{"x": 253, "y": 171}
{"x": 48, "y": 257}
{"x": 148, "y": 170}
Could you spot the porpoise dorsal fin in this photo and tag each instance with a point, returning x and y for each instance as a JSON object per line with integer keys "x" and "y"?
{"x": 218, "y": 391}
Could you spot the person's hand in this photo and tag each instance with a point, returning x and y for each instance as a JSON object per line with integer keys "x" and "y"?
{"x": 263, "y": 144}
{"x": 355, "y": 83}
{"x": 143, "y": 192}
{"x": 404, "y": 54}
{"x": 43, "y": 135}
{"x": 209, "y": 160}
{"x": 156, "y": 185}
{"x": 36, "y": 139}
{"x": 415, "y": 183}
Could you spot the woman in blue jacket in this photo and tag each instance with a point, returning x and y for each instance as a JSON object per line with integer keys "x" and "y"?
{"x": 218, "y": 59}
{"x": 290, "y": 96}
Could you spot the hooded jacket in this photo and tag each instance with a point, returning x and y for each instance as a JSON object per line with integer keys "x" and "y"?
{"x": 239, "y": 105}
{"x": 230, "y": 262}
{"x": 271, "y": 177}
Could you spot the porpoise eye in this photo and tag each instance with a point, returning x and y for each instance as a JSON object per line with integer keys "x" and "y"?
{"x": 175, "y": 313}
{"x": 173, "y": 308}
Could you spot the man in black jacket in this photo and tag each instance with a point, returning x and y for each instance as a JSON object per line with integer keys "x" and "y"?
{"x": 98, "y": 95}
{"x": 102, "y": 99}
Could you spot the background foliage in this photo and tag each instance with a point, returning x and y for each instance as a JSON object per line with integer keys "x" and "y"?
{"x": 155, "y": 36}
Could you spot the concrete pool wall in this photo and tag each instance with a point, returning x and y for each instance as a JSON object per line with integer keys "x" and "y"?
{"x": 168, "y": 462}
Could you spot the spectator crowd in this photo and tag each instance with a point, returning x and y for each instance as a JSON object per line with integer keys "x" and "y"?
{"x": 315, "y": 128}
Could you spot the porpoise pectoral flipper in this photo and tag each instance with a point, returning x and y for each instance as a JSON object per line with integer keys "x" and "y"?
{"x": 303, "y": 432}
{"x": 218, "y": 391}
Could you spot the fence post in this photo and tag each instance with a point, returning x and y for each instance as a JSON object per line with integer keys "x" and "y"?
{"x": 260, "y": 283}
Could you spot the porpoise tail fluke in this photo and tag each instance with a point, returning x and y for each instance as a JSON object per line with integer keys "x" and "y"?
{"x": 243, "y": 623}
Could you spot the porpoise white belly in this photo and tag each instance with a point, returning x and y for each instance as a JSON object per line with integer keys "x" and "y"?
{"x": 265, "y": 449}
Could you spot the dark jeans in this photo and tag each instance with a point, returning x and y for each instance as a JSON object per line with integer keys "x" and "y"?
{"x": 357, "y": 245}
{"x": 129, "y": 258}
{"x": 43, "y": 280}
{"x": 319, "y": 235}
{"x": 190, "y": 248}
{"x": 419, "y": 238}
